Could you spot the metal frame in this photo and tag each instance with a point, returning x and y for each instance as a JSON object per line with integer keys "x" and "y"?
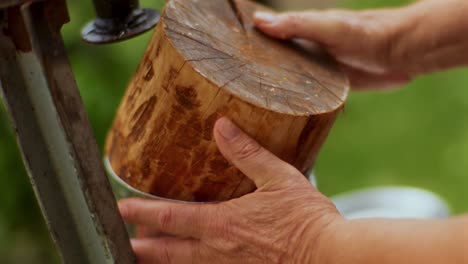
{"x": 55, "y": 137}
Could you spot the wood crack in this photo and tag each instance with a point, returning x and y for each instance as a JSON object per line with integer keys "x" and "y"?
{"x": 207, "y": 35}
{"x": 262, "y": 92}
{"x": 209, "y": 58}
{"x": 199, "y": 42}
{"x": 319, "y": 82}
{"x": 237, "y": 13}
{"x": 230, "y": 67}
{"x": 233, "y": 79}
{"x": 286, "y": 91}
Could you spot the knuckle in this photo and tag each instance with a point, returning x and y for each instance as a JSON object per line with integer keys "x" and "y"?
{"x": 388, "y": 40}
{"x": 290, "y": 177}
{"x": 221, "y": 223}
{"x": 234, "y": 247}
{"x": 378, "y": 33}
{"x": 346, "y": 22}
{"x": 165, "y": 252}
{"x": 130, "y": 212}
{"x": 289, "y": 24}
{"x": 291, "y": 171}
{"x": 349, "y": 26}
{"x": 247, "y": 150}
{"x": 294, "y": 20}
{"x": 165, "y": 218}
{"x": 290, "y": 185}
{"x": 223, "y": 228}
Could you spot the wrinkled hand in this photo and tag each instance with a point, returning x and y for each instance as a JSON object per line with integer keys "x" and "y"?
{"x": 285, "y": 221}
{"x": 365, "y": 43}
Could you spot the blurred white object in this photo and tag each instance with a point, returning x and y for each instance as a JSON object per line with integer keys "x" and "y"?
{"x": 312, "y": 178}
{"x": 391, "y": 202}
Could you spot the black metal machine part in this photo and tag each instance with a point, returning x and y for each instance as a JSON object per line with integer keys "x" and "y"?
{"x": 118, "y": 20}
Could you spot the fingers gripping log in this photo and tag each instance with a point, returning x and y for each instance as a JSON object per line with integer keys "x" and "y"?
{"x": 206, "y": 60}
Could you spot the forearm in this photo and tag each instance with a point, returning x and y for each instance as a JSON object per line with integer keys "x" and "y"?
{"x": 400, "y": 241}
{"x": 434, "y": 37}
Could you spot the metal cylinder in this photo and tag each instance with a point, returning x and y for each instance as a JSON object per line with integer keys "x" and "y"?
{"x": 115, "y": 9}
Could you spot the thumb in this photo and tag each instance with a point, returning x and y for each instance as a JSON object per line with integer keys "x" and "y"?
{"x": 327, "y": 27}
{"x": 257, "y": 163}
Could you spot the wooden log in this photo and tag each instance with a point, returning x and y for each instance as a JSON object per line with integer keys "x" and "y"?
{"x": 207, "y": 60}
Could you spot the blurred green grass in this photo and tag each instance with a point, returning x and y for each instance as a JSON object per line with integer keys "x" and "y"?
{"x": 415, "y": 136}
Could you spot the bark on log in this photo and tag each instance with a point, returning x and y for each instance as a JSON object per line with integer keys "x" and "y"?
{"x": 206, "y": 60}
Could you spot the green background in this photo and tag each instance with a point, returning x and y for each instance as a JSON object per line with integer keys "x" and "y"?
{"x": 415, "y": 136}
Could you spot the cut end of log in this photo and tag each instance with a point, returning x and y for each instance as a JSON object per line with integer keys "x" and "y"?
{"x": 223, "y": 45}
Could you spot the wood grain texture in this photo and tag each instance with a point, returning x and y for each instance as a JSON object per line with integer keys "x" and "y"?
{"x": 205, "y": 61}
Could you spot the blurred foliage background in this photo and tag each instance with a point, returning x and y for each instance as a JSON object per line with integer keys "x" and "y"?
{"x": 415, "y": 136}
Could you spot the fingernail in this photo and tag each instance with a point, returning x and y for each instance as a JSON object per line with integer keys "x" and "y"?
{"x": 265, "y": 17}
{"x": 135, "y": 242}
{"x": 123, "y": 209}
{"x": 228, "y": 129}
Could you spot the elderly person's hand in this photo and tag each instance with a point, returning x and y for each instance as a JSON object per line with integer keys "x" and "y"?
{"x": 385, "y": 47}
{"x": 285, "y": 221}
